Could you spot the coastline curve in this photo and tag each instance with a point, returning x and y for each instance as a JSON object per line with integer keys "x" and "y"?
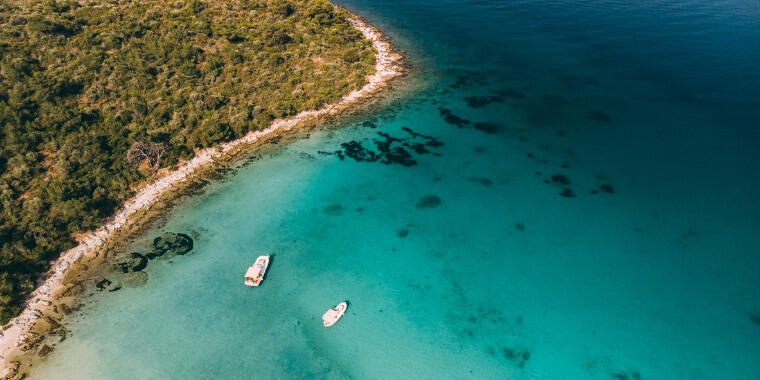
{"x": 17, "y": 336}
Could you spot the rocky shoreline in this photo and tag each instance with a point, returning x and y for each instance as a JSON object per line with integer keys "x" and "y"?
{"x": 23, "y": 334}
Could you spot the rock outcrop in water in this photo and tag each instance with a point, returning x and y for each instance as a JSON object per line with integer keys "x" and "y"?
{"x": 487, "y": 182}
{"x": 136, "y": 279}
{"x": 429, "y": 201}
{"x": 166, "y": 246}
{"x": 103, "y": 284}
{"x": 136, "y": 262}
{"x": 429, "y": 140}
{"x": 627, "y": 375}
{"x": 171, "y": 244}
{"x": 452, "y": 119}
{"x": 509, "y": 93}
{"x": 516, "y": 356}
{"x": 606, "y": 189}
{"x": 333, "y": 209}
{"x": 390, "y": 149}
{"x": 561, "y": 179}
{"x": 369, "y": 124}
{"x": 482, "y": 101}
{"x": 487, "y": 127}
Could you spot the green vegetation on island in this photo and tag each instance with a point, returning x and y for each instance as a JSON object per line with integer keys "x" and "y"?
{"x": 96, "y": 96}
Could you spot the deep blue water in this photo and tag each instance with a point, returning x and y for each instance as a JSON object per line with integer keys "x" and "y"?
{"x": 470, "y": 263}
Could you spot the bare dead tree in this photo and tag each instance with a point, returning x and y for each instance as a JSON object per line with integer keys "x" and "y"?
{"x": 148, "y": 152}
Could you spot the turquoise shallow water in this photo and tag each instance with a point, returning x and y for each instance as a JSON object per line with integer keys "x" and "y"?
{"x": 467, "y": 264}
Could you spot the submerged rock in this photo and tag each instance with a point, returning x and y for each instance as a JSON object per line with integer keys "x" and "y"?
{"x": 418, "y": 148}
{"x": 197, "y": 187}
{"x": 461, "y": 81}
{"x": 466, "y": 80}
{"x": 481, "y": 101}
{"x": 630, "y": 375}
{"x": 435, "y": 144}
{"x": 354, "y": 149}
{"x": 489, "y": 128}
{"x": 44, "y": 350}
{"x": 561, "y": 179}
{"x": 141, "y": 260}
{"x": 172, "y": 244}
{"x": 136, "y": 262}
{"x": 102, "y": 284}
{"x": 136, "y": 279}
{"x": 429, "y": 201}
{"x": 482, "y": 180}
{"x": 606, "y": 189}
{"x": 517, "y": 356}
{"x": 402, "y": 233}
{"x": 388, "y": 149}
{"x": 509, "y": 93}
{"x": 333, "y": 209}
{"x": 452, "y": 119}
{"x": 29, "y": 340}
{"x": 430, "y": 140}
{"x": 567, "y": 193}
{"x": 398, "y": 155}
{"x": 306, "y": 156}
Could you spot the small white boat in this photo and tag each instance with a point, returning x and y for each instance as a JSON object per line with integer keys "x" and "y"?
{"x": 333, "y": 315}
{"x": 255, "y": 273}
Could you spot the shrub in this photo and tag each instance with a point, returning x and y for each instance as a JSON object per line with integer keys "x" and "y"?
{"x": 90, "y": 90}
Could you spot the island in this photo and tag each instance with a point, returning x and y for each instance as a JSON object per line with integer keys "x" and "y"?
{"x": 107, "y": 105}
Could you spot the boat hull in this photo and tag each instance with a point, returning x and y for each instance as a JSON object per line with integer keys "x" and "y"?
{"x": 255, "y": 273}
{"x": 333, "y": 315}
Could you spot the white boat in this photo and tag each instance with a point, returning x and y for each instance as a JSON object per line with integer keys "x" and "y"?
{"x": 255, "y": 273}
{"x": 334, "y": 314}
